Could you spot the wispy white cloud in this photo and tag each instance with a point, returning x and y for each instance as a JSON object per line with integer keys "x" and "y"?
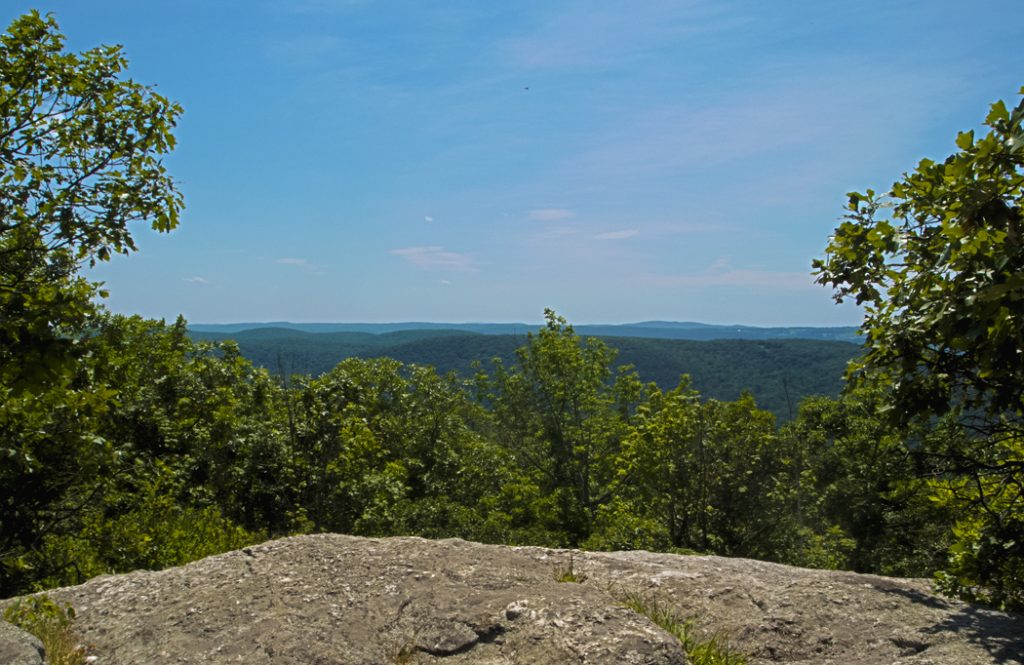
{"x": 195, "y": 280}
{"x": 555, "y": 231}
{"x": 681, "y": 137}
{"x": 319, "y": 6}
{"x": 303, "y": 264}
{"x": 291, "y": 261}
{"x": 794, "y": 119}
{"x": 720, "y": 265}
{"x": 674, "y": 228}
{"x": 428, "y": 219}
{"x": 772, "y": 280}
{"x": 585, "y": 34}
{"x": 436, "y": 258}
{"x": 617, "y": 235}
{"x": 550, "y": 214}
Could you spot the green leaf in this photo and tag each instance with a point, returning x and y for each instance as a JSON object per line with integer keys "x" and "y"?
{"x": 997, "y": 113}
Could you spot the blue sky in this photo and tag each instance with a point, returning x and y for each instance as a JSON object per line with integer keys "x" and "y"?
{"x": 362, "y": 160}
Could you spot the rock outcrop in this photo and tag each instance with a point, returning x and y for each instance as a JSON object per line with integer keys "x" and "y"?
{"x": 18, "y": 647}
{"x": 330, "y": 599}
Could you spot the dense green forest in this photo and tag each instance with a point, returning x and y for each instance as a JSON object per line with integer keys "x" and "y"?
{"x": 778, "y": 373}
{"x": 647, "y": 329}
{"x": 124, "y": 443}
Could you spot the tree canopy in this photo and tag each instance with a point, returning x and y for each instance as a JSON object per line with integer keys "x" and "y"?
{"x": 80, "y": 158}
{"x": 939, "y": 263}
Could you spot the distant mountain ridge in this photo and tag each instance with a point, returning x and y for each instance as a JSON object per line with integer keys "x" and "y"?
{"x": 649, "y": 329}
{"x": 779, "y": 372}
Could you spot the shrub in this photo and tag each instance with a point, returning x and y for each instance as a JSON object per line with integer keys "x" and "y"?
{"x": 52, "y": 623}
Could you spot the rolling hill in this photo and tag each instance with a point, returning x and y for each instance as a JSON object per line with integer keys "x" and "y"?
{"x": 651, "y": 329}
{"x": 778, "y": 372}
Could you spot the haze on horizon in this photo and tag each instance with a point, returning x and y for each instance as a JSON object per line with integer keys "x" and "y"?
{"x": 384, "y": 161}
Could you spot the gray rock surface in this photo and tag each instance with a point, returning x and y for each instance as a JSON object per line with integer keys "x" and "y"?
{"x": 18, "y": 647}
{"x": 330, "y": 599}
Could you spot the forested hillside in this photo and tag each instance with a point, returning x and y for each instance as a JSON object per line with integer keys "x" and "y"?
{"x": 126, "y": 444}
{"x": 646, "y": 329}
{"x": 779, "y": 373}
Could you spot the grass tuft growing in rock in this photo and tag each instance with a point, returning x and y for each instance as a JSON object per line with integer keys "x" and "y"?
{"x": 714, "y": 650}
{"x": 52, "y": 624}
{"x": 569, "y": 573}
{"x": 403, "y": 655}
